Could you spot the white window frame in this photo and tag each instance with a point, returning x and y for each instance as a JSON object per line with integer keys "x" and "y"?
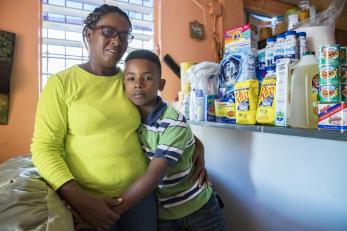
{"x": 143, "y": 30}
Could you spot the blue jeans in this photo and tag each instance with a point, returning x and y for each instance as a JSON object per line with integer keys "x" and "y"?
{"x": 208, "y": 218}
{"x": 142, "y": 216}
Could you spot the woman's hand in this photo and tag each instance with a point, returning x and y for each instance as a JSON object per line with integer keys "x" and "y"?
{"x": 199, "y": 172}
{"x": 96, "y": 212}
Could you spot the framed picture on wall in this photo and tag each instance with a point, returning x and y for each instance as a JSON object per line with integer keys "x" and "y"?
{"x": 6, "y": 58}
{"x": 196, "y": 30}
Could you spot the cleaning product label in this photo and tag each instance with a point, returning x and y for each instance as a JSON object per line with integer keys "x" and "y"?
{"x": 225, "y": 111}
{"x": 210, "y": 114}
{"x": 266, "y": 105}
{"x": 315, "y": 90}
{"x": 236, "y": 38}
{"x": 260, "y": 65}
{"x": 333, "y": 116}
{"x": 246, "y": 95}
{"x": 282, "y": 93}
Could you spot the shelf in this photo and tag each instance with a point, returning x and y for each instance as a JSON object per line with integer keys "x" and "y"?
{"x": 301, "y": 132}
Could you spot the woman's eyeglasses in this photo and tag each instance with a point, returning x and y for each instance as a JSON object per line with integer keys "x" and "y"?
{"x": 109, "y": 32}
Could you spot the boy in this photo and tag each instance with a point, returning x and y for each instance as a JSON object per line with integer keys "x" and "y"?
{"x": 169, "y": 143}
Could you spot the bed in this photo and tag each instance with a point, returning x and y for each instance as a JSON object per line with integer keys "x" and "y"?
{"x": 27, "y": 202}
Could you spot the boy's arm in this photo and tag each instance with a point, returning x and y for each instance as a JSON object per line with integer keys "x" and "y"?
{"x": 143, "y": 185}
{"x": 168, "y": 151}
{"x": 199, "y": 171}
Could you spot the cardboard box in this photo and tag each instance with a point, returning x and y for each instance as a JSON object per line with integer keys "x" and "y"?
{"x": 332, "y": 116}
{"x": 282, "y": 92}
{"x": 239, "y": 37}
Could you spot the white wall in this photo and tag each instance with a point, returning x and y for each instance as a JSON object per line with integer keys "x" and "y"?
{"x": 275, "y": 182}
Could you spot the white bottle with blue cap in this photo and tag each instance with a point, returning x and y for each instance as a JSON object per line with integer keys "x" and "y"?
{"x": 302, "y": 43}
{"x": 291, "y": 48}
{"x": 279, "y": 47}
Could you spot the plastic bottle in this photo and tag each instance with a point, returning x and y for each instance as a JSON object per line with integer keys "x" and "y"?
{"x": 290, "y": 45}
{"x": 186, "y": 105}
{"x": 304, "y": 6}
{"x": 302, "y": 110}
{"x": 279, "y": 47}
{"x": 302, "y": 44}
{"x": 292, "y": 18}
{"x": 269, "y": 52}
{"x": 280, "y": 26}
{"x": 185, "y": 84}
{"x": 264, "y": 30}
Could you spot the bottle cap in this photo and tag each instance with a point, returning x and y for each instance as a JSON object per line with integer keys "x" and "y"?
{"x": 292, "y": 11}
{"x": 291, "y": 32}
{"x": 270, "y": 68}
{"x": 280, "y": 36}
{"x": 309, "y": 53}
{"x": 302, "y": 34}
{"x": 269, "y": 40}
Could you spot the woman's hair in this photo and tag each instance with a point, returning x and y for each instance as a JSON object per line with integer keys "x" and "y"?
{"x": 144, "y": 54}
{"x": 94, "y": 17}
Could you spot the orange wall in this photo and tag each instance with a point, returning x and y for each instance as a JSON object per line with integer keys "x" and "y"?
{"x": 172, "y": 19}
{"x": 174, "y": 39}
{"x": 22, "y": 18}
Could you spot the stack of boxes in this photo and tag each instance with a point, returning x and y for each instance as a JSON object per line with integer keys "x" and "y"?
{"x": 238, "y": 65}
{"x": 332, "y": 90}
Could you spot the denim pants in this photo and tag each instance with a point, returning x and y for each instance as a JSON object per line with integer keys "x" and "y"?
{"x": 208, "y": 218}
{"x": 142, "y": 216}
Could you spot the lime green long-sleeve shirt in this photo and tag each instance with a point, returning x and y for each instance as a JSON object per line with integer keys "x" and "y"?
{"x": 85, "y": 129}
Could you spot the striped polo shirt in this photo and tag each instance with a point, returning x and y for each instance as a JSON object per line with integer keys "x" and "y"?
{"x": 165, "y": 133}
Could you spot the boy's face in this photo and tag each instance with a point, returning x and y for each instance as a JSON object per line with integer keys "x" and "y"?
{"x": 142, "y": 81}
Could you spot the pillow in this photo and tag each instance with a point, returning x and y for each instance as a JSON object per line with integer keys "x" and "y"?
{"x": 27, "y": 202}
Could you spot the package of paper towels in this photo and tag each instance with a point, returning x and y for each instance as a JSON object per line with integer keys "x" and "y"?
{"x": 317, "y": 36}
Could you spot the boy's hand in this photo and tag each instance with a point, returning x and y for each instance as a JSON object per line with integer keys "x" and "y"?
{"x": 200, "y": 174}
{"x": 199, "y": 170}
{"x": 97, "y": 212}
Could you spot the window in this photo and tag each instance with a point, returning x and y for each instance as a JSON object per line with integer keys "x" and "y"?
{"x": 62, "y": 45}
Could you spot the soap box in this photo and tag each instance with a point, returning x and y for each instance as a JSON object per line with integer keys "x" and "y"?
{"x": 239, "y": 37}
{"x": 332, "y": 116}
{"x": 210, "y": 113}
{"x": 225, "y": 111}
{"x": 282, "y": 92}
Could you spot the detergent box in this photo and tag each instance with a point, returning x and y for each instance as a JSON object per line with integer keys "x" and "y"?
{"x": 236, "y": 38}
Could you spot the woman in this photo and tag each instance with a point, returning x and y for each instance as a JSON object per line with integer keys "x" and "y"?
{"x": 85, "y": 143}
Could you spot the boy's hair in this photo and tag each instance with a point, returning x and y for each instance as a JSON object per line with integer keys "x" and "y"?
{"x": 144, "y": 54}
{"x": 94, "y": 17}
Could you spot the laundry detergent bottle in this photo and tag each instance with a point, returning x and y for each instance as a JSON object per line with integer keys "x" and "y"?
{"x": 304, "y": 90}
